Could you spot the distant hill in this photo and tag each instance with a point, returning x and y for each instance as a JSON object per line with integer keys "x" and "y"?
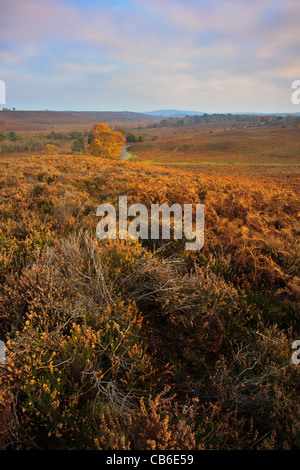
{"x": 169, "y": 113}
{"x": 172, "y": 113}
{"x": 62, "y": 120}
{"x": 257, "y": 120}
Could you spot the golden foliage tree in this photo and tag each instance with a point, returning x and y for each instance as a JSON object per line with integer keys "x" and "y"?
{"x": 105, "y": 143}
{"x": 51, "y": 149}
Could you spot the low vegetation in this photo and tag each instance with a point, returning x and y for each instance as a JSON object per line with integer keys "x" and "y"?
{"x": 254, "y": 119}
{"x": 269, "y": 146}
{"x": 139, "y": 344}
{"x": 12, "y": 142}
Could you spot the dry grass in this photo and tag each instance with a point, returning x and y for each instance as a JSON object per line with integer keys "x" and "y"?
{"x": 141, "y": 345}
{"x": 198, "y": 145}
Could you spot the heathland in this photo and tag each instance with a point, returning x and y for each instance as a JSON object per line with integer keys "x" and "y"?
{"x": 139, "y": 344}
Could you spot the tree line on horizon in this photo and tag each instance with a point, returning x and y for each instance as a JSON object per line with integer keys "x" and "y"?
{"x": 217, "y": 118}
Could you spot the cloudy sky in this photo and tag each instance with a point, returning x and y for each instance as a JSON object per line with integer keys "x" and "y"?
{"x": 140, "y": 55}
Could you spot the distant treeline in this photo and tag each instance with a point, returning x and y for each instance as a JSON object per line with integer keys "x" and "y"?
{"x": 11, "y": 142}
{"x": 11, "y": 147}
{"x": 12, "y": 136}
{"x": 71, "y": 135}
{"x": 211, "y": 118}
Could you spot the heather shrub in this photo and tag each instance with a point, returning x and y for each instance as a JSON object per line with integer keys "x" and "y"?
{"x": 129, "y": 344}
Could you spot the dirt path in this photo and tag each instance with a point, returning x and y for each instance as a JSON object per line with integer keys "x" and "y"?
{"x": 125, "y": 154}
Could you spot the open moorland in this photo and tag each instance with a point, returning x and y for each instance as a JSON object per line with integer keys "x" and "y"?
{"x": 239, "y": 145}
{"x": 45, "y": 121}
{"x": 140, "y": 344}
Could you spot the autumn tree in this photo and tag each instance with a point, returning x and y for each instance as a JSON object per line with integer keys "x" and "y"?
{"x": 120, "y": 129}
{"x": 51, "y": 149}
{"x": 105, "y": 143}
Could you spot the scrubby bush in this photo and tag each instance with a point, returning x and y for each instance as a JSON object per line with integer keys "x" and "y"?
{"x": 130, "y": 344}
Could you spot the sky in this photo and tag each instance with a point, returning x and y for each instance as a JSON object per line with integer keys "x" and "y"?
{"x": 142, "y": 55}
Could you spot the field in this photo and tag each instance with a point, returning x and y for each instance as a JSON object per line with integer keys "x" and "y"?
{"x": 273, "y": 146}
{"x": 141, "y": 344}
{"x": 45, "y": 121}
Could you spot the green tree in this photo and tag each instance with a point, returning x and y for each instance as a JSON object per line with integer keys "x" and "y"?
{"x": 79, "y": 145}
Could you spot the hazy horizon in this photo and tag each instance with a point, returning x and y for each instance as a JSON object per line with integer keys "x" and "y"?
{"x": 147, "y": 111}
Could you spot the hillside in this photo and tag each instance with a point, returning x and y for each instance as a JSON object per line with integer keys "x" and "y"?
{"x": 59, "y": 120}
{"x": 231, "y": 144}
{"x": 140, "y": 344}
{"x": 172, "y": 113}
